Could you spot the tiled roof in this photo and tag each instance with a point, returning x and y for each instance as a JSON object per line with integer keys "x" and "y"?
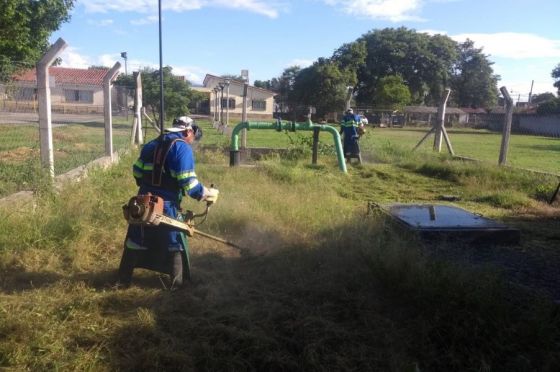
{"x": 431, "y": 110}
{"x": 233, "y": 81}
{"x": 65, "y": 75}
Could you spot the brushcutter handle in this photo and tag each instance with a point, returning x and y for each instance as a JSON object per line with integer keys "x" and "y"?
{"x": 211, "y": 195}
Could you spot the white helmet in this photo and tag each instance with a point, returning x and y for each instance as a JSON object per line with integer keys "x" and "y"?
{"x": 350, "y": 111}
{"x": 180, "y": 124}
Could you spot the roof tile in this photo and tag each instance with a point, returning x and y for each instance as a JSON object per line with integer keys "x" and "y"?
{"x": 65, "y": 75}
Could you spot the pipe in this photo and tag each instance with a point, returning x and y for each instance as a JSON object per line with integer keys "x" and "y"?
{"x": 280, "y": 125}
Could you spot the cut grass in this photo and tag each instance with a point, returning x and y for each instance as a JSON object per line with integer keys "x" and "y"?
{"x": 321, "y": 286}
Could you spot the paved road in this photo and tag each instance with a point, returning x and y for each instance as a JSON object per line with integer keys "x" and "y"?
{"x": 27, "y": 118}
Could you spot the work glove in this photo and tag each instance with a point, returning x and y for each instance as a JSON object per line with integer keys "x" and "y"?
{"x": 210, "y": 195}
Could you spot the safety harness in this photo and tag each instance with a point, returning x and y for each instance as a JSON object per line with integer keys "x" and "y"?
{"x": 159, "y": 156}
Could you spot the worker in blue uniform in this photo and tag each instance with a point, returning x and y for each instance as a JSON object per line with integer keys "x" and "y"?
{"x": 165, "y": 168}
{"x": 351, "y": 128}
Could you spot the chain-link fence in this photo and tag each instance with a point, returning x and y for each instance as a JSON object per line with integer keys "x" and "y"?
{"x": 534, "y": 142}
{"x": 78, "y": 133}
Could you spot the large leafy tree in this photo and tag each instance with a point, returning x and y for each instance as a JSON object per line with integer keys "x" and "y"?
{"x": 285, "y": 87}
{"x": 177, "y": 93}
{"x": 424, "y": 62}
{"x": 25, "y": 27}
{"x": 323, "y": 86}
{"x": 392, "y": 92}
{"x": 474, "y": 83}
{"x": 542, "y": 97}
{"x": 556, "y": 76}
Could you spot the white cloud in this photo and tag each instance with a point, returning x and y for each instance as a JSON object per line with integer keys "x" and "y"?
{"x": 513, "y": 45}
{"x": 392, "y": 10}
{"x": 302, "y": 63}
{"x": 101, "y": 23}
{"x": 145, "y": 21}
{"x": 72, "y": 58}
{"x": 263, "y": 7}
{"x": 193, "y": 74}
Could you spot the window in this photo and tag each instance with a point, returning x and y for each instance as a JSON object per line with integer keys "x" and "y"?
{"x": 231, "y": 103}
{"x": 26, "y": 94}
{"x": 258, "y": 105}
{"x": 78, "y": 96}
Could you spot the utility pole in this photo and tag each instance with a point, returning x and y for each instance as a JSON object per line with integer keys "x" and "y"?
{"x": 227, "y": 82}
{"x": 531, "y": 92}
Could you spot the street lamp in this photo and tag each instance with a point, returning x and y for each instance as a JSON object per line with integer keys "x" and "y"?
{"x": 215, "y": 90}
{"x": 227, "y": 82}
{"x": 125, "y": 57}
{"x": 221, "y": 85}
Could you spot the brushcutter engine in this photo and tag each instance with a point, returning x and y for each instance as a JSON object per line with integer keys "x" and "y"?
{"x": 148, "y": 210}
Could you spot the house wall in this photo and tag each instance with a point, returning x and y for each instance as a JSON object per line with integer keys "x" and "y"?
{"x": 254, "y": 95}
{"x": 28, "y": 102}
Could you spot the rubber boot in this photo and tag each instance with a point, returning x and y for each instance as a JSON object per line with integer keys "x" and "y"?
{"x": 126, "y": 268}
{"x": 176, "y": 270}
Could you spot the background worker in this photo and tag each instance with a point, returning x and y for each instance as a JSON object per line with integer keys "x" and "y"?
{"x": 165, "y": 168}
{"x": 351, "y": 128}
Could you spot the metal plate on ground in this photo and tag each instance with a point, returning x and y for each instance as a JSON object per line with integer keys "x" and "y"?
{"x": 434, "y": 221}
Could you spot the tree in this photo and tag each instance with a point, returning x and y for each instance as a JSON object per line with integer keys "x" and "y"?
{"x": 351, "y": 57}
{"x": 424, "y": 62}
{"x": 25, "y": 27}
{"x": 556, "y": 76}
{"x": 323, "y": 85}
{"x": 264, "y": 84}
{"x": 176, "y": 92}
{"x": 392, "y": 92}
{"x": 474, "y": 82}
{"x": 543, "y": 97}
{"x": 285, "y": 88}
{"x": 232, "y": 77}
{"x": 549, "y": 107}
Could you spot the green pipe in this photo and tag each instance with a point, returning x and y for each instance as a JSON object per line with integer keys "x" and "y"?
{"x": 286, "y": 125}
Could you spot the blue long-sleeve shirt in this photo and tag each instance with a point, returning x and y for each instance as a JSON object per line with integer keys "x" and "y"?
{"x": 178, "y": 177}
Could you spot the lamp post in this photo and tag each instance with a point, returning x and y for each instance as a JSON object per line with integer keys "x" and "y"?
{"x": 125, "y": 57}
{"x": 161, "y": 101}
{"x": 227, "y": 82}
{"x": 221, "y": 85}
{"x": 215, "y": 90}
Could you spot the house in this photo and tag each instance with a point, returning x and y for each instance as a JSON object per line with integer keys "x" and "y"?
{"x": 428, "y": 115}
{"x": 225, "y": 100}
{"x": 73, "y": 90}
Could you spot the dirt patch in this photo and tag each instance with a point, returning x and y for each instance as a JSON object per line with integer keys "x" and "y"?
{"x": 18, "y": 155}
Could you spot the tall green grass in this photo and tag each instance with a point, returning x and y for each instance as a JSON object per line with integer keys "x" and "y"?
{"x": 319, "y": 284}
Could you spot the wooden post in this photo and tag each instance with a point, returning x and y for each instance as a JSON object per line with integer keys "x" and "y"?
{"x": 507, "y": 126}
{"x": 44, "y": 101}
{"x": 315, "y": 145}
{"x": 441, "y": 121}
{"x": 107, "y": 108}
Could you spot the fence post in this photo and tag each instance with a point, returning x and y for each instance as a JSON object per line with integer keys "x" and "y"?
{"x": 138, "y": 105}
{"x": 507, "y": 126}
{"x": 441, "y": 121}
{"x": 44, "y": 102}
{"x": 107, "y": 108}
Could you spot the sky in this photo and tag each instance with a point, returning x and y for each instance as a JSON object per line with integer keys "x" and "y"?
{"x": 265, "y": 37}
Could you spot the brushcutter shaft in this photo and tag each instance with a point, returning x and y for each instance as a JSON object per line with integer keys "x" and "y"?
{"x": 217, "y": 239}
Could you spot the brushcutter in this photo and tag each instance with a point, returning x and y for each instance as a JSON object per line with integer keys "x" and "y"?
{"x": 147, "y": 210}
